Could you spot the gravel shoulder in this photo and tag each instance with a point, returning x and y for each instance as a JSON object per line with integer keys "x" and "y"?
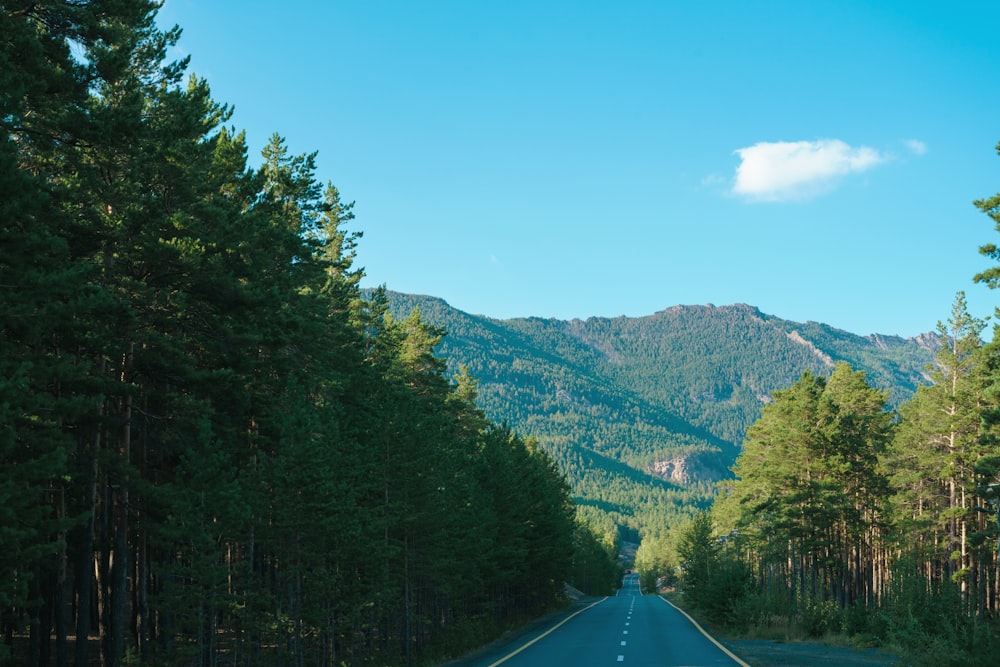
{"x": 770, "y": 653}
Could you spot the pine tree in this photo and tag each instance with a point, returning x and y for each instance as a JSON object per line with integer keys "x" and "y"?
{"x": 698, "y": 552}
{"x": 216, "y": 447}
{"x": 48, "y": 311}
{"x": 933, "y": 456}
{"x": 808, "y": 488}
{"x": 988, "y": 467}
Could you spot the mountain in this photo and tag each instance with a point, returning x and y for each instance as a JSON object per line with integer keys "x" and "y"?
{"x": 645, "y": 414}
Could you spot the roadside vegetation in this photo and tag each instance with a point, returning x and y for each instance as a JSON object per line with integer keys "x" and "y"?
{"x": 213, "y": 450}
{"x": 216, "y": 450}
{"x": 855, "y": 523}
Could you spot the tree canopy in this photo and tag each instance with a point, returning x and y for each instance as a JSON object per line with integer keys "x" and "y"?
{"x": 211, "y": 444}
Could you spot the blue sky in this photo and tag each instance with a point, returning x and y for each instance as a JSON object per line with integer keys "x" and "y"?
{"x": 817, "y": 160}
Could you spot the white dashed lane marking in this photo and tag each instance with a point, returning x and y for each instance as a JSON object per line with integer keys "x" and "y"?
{"x": 628, "y": 620}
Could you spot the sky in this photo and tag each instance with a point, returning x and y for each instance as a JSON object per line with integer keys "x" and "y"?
{"x": 817, "y": 160}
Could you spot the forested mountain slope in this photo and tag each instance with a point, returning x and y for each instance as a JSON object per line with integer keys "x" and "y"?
{"x": 645, "y": 413}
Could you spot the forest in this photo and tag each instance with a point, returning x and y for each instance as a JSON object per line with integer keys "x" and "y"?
{"x": 214, "y": 450}
{"x": 850, "y": 519}
{"x": 863, "y": 502}
{"x": 645, "y": 414}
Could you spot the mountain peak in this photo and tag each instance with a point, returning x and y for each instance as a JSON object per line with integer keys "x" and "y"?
{"x": 638, "y": 408}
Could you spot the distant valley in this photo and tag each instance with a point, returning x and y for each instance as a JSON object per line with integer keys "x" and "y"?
{"x": 645, "y": 414}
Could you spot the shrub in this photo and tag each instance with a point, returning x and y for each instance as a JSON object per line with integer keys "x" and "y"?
{"x": 728, "y": 586}
{"x": 819, "y": 617}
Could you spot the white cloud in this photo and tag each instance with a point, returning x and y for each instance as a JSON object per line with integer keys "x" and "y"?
{"x": 916, "y": 146}
{"x": 798, "y": 170}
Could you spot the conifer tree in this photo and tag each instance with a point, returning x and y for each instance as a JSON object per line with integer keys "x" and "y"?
{"x": 214, "y": 446}
{"x": 48, "y": 311}
{"x": 988, "y": 467}
{"x": 699, "y": 553}
{"x": 808, "y": 491}
{"x": 937, "y": 446}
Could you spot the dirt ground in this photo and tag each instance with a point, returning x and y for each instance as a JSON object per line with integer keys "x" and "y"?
{"x": 768, "y": 653}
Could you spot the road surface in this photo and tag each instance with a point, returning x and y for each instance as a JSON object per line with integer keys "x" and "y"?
{"x": 627, "y": 629}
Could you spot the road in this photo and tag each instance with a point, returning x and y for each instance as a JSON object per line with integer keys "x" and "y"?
{"x": 627, "y": 629}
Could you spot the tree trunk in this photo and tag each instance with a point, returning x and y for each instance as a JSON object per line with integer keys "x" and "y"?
{"x": 84, "y": 578}
{"x": 120, "y": 565}
{"x": 61, "y": 601}
{"x": 142, "y": 621}
{"x": 84, "y": 575}
{"x": 34, "y": 625}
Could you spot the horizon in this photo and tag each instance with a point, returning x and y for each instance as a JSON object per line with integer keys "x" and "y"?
{"x": 931, "y": 331}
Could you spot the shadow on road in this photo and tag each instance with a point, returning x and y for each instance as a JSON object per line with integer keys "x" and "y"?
{"x": 510, "y": 640}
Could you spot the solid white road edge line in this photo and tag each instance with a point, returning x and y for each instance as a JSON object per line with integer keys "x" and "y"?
{"x": 547, "y": 633}
{"x": 702, "y": 631}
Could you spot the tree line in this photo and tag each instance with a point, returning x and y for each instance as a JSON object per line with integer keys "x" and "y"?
{"x": 851, "y": 518}
{"x": 613, "y": 400}
{"x": 213, "y": 450}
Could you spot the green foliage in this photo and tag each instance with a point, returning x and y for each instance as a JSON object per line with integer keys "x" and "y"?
{"x": 808, "y": 499}
{"x": 714, "y": 584}
{"x": 849, "y": 519}
{"x": 656, "y": 562}
{"x": 615, "y": 400}
{"x": 991, "y": 207}
{"x": 830, "y": 486}
{"x": 699, "y": 553}
{"x": 215, "y": 445}
{"x": 212, "y": 446}
{"x": 595, "y": 569}
{"x": 818, "y": 617}
{"x": 930, "y": 620}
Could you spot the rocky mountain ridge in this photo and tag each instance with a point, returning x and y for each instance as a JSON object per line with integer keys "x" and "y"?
{"x": 644, "y": 414}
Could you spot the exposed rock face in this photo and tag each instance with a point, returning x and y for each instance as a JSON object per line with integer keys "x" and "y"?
{"x": 797, "y": 337}
{"x": 928, "y": 341}
{"x": 642, "y": 403}
{"x": 688, "y": 468}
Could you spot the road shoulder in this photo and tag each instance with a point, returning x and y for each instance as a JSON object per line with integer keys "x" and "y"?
{"x": 512, "y": 639}
{"x": 770, "y": 653}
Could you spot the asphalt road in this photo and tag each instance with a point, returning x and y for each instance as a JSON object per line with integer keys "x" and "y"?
{"x": 628, "y": 629}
